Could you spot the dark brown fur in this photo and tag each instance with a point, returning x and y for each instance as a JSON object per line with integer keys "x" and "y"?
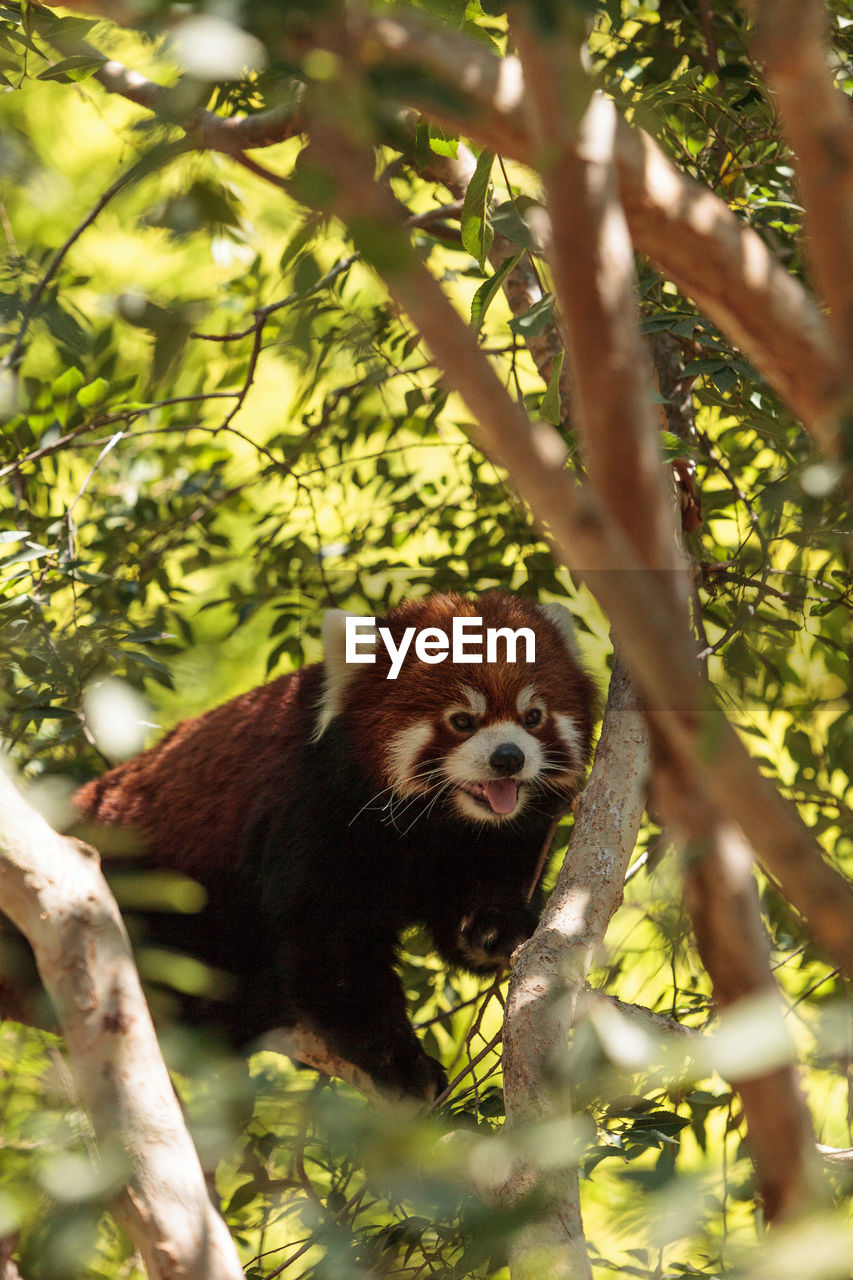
{"x": 310, "y": 875}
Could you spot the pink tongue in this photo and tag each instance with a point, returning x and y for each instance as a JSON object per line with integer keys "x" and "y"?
{"x": 502, "y": 794}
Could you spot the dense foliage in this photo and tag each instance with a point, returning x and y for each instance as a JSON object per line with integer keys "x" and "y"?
{"x": 214, "y": 426}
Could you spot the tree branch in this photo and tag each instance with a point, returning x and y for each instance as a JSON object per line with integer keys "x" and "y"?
{"x": 592, "y": 264}
{"x": 52, "y": 889}
{"x": 721, "y": 896}
{"x": 837, "y": 1157}
{"x": 692, "y": 235}
{"x": 597, "y": 298}
{"x": 302, "y": 1045}
{"x": 205, "y": 129}
{"x": 555, "y": 963}
{"x": 728, "y": 271}
{"x": 792, "y": 42}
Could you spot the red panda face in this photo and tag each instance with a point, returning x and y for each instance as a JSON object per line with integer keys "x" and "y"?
{"x": 479, "y": 741}
{"x": 488, "y": 758}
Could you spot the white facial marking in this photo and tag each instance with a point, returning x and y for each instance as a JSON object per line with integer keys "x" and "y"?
{"x": 337, "y": 672}
{"x": 562, "y": 619}
{"x": 570, "y": 734}
{"x": 469, "y": 764}
{"x": 477, "y": 702}
{"x": 403, "y": 750}
{"x": 524, "y": 699}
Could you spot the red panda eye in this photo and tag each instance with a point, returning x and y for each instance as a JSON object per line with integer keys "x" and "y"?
{"x": 462, "y": 722}
{"x": 533, "y": 717}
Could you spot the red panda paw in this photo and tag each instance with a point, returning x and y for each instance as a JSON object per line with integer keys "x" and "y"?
{"x": 401, "y": 1069}
{"x": 487, "y": 939}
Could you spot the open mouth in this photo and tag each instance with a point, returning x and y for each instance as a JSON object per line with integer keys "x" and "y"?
{"x": 498, "y": 794}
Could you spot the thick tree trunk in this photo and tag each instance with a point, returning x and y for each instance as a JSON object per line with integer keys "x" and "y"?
{"x": 549, "y": 973}
{"x": 52, "y": 889}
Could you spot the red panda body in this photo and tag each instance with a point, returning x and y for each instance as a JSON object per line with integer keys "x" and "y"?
{"x": 329, "y": 809}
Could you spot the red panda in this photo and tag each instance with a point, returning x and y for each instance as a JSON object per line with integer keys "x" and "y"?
{"x": 327, "y": 810}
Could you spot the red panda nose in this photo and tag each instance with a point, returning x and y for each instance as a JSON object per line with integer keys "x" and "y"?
{"x": 507, "y": 759}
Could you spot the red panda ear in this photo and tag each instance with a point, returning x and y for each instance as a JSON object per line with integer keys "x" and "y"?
{"x": 337, "y": 672}
{"x": 562, "y": 620}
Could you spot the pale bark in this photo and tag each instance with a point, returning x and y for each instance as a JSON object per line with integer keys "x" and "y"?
{"x": 52, "y": 889}
{"x": 728, "y": 271}
{"x": 661, "y": 1024}
{"x": 8, "y": 1265}
{"x": 840, "y": 1158}
{"x": 305, "y": 1046}
{"x": 791, "y": 41}
{"x": 722, "y": 899}
{"x": 592, "y": 265}
{"x": 620, "y": 440}
{"x": 549, "y": 972}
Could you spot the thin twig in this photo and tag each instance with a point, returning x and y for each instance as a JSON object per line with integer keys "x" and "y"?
{"x": 10, "y": 359}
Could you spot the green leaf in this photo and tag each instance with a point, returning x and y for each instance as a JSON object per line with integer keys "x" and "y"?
{"x": 203, "y": 204}
{"x": 21, "y": 37}
{"x": 507, "y": 221}
{"x": 441, "y": 144}
{"x": 386, "y": 248}
{"x": 244, "y": 1195}
{"x": 10, "y": 306}
{"x": 550, "y": 409}
{"x": 51, "y": 27}
{"x": 69, "y": 381}
{"x": 31, "y": 552}
{"x": 477, "y": 231}
{"x": 147, "y": 635}
{"x": 671, "y": 445}
{"x": 422, "y": 145}
{"x": 70, "y": 70}
{"x": 487, "y": 291}
{"x": 37, "y": 714}
{"x": 697, "y": 367}
{"x": 93, "y": 393}
{"x": 535, "y": 321}
{"x": 303, "y": 235}
{"x": 724, "y": 380}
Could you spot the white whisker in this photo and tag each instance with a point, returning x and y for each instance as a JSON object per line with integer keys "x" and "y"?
{"x": 390, "y": 791}
{"x": 443, "y": 786}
